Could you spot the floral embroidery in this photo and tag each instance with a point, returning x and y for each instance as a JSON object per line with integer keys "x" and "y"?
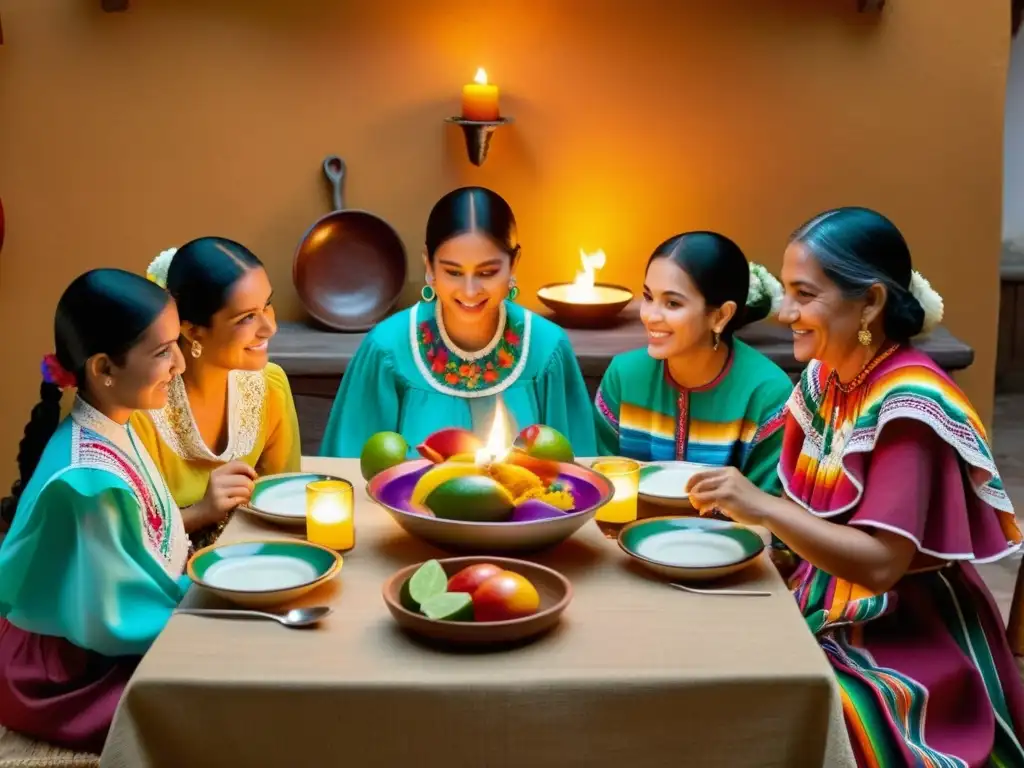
{"x": 469, "y": 375}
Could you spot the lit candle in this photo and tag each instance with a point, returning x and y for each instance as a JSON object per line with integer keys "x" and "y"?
{"x": 329, "y": 515}
{"x": 624, "y": 475}
{"x": 480, "y": 100}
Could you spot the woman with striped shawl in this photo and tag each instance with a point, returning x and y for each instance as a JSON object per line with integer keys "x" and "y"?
{"x": 891, "y": 494}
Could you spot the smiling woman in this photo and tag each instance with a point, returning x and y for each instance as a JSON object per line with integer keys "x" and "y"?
{"x": 92, "y": 565}
{"x": 696, "y": 393}
{"x": 230, "y": 415}
{"x": 443, "y": 362}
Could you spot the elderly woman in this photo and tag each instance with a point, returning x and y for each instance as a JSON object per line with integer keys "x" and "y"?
{"x": 891, "y": 494}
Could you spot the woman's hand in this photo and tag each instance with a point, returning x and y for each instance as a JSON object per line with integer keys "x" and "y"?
{"x": 727, "y": 490}
{"x": 230, "y": 484}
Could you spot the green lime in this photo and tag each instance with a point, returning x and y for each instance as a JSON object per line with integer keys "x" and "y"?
{"x": 449, "y": 606}
{"x": 473, "y": 498}
{"x": 382, "y": 451}
{"x": 428, "y": 581}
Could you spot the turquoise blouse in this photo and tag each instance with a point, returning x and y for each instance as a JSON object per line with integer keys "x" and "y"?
{"x": 408, "y": 377}
{"x": 97, "y": 548}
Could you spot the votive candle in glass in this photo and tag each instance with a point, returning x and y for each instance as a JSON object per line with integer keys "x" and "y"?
{"x": 624, "y": 475}
{"x": 330, "y": 518}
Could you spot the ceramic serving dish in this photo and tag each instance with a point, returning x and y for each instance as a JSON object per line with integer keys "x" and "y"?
{"x": 393, "y": 487}
{"x": 260, "y": 574}
{"x": 663, "y": 483}
{"x": 584, "y": 314}
{"x": 690, "y": 548}
{"x": 281, "y": 499}
{"x": 554, "y": 589}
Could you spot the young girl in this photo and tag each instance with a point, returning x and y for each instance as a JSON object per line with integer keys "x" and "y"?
{"x": 230, "y": 415}
{"x": 92, "y": 565}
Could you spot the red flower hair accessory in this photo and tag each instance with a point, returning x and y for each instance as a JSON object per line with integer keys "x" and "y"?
{"x": 55, "y": 373}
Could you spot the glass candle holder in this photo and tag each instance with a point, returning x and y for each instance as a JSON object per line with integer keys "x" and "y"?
{"x": 624, "y": 475}
{"x": 330, "y": 520}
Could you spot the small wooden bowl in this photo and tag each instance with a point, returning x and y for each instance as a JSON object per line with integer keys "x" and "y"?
{"x": 554, "y": 589}
{"x": 584, "y": 315}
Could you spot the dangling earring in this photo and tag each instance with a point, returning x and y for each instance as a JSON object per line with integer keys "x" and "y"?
{"x": 109, "y": 382}
{"x": 427, "y": 293}
{"x": 197, "y": 349}
{"x": 864, "y": 335}
{"x": 513, "y": 289}
{"x": 717, "y": 338}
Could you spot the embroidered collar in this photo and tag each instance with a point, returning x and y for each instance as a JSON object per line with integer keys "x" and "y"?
{"x": 116, "y": 451}
{"x": 857, "y": 380}
{"x": 178, "y": 429}
{"x": 453, "y": 371}
{"x": 703, "y": 387}
{"x": 87, "y": 417}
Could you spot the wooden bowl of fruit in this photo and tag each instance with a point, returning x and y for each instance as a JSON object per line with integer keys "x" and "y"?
{"x": 477, "y": 601}
{"x": 529, "y": 499}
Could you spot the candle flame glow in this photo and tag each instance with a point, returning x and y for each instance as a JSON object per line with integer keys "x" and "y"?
{"x": 481, "y": 77}
{"x": 582, "y": 289}
{"x": 497, "y": 446}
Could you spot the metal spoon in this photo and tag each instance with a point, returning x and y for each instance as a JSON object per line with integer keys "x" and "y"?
{"x": 746, "y": 592}
{"x": 296, "y": 617}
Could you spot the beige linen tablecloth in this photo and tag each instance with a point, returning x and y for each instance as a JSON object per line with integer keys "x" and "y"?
{"x": 637, "y": 674}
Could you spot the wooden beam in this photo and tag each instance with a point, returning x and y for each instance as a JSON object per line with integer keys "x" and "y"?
{"x": 870, "y": 5}
{"x": 111, "y": 6}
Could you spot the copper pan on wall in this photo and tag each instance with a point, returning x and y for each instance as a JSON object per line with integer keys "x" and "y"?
{"x": 350, "y": 267}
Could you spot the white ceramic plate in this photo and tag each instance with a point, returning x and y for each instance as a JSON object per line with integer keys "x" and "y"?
{"x": 664, "y": 482}
{"x": 263, "y": 573}
{"x": 691, "y": 548}
{"x": 281, "y": 499}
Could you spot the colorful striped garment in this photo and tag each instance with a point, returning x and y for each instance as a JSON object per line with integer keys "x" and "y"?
{"x": 736, "y": 420}
{"x": 926, "y": 674}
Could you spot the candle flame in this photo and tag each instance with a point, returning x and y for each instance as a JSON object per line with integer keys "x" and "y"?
{"x": 497, "y": 446}
{"x": 582, "y": 289}
{"x": 481, "y": 77}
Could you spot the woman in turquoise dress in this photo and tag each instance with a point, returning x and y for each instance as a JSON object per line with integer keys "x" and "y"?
{"x": 445, "y": 361}
{"x": 696, "y": 393}
{"x": 91, "y": 568}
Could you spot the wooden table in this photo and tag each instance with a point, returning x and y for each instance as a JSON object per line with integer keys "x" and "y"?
{"x": 635, "y": 674}
{"x": 315, "y": 359}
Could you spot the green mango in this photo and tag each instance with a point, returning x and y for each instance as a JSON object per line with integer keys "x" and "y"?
{"x": 471, "y": 498}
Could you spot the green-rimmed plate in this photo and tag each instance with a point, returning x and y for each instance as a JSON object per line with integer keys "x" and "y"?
{"x": 664, "y": 482}
{"x": 281, "y": 499}
{"x": 691, "y": 548}
{"x": 263, "y": 573}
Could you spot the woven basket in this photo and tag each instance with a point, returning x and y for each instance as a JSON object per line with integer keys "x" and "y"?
{"x": 17, "y": 751}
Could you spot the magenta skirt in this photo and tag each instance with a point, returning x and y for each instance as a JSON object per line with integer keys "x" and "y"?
{"x": 55, "y": 691}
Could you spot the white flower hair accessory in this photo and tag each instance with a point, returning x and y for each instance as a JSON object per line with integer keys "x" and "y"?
{"x": 160, "y": 266}
{"x": 930, "y": 301}
{"x": 764, "y": 287}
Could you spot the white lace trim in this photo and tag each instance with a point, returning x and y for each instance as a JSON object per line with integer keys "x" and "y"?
{"x": 177, "y": 426}
{"x": 84, "y": 416}
{"x": 498, "y": 388}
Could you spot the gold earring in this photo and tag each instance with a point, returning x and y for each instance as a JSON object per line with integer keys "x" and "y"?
{"x": 717, "y": 337}
{"x": 197, "y": 349}
{"x": 864, "y": 335}
{"x": 109, "y": 382}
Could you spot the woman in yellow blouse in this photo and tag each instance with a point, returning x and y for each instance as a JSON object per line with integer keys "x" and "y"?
{"x": 230, "y": 416}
